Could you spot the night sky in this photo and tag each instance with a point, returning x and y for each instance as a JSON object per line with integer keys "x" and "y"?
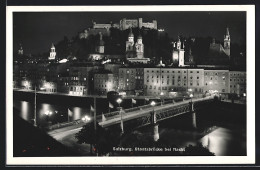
{"x": 36, "y": 31}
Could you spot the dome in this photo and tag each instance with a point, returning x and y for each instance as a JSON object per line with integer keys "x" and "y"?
{"x": 101, "y": 43}
{"x": 130, "y": 33}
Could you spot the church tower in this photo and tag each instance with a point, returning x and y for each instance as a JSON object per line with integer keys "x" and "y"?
{"x": 100, "y": 48}
{"x": 130, "y": 42}
{"x": 20, "y": 51}
{"x": 52, "y": 53}
{"x": 227, "y": 42}
{"x": 139, "y": 46}
{"x": 178, "y": 53}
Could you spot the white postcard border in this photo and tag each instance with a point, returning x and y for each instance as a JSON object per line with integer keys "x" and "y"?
{"x": 249, "y": 159}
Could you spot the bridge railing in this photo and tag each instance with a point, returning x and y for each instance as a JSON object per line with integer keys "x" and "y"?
{"x": 64, "y": 124}
{"x": 111, "y": 114}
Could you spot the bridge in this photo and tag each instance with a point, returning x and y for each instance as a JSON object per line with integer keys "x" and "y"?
{"x": 144, "y": 115}
{"x": 161, "y": 112}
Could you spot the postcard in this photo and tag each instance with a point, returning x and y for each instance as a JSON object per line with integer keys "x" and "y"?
{"x": 130, "y": 85}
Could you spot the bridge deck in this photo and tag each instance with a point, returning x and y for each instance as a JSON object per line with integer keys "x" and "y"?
{"x": 136, "y": 114}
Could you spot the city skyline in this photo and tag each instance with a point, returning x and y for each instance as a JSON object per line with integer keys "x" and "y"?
{"x": 51, "y": 27}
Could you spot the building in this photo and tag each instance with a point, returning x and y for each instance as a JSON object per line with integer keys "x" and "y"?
{"x": 123, "y": 24}
{"x": 227, "y": 43}
{"x": 163, "y": 81}
{"x": 178, "y": 53}
{"x": 93, "y": 31}
{"x": 50, "y": 87}
{"x": 237, "y": 82}
{"x": 135, "y": 51}
{"x": 77, "y": 90}
{"x": 80, "y": 78}
{"x": 100, "y": 48}
{"x": 137, "y": 23}
{"x": 52, "y": 53}
{"x": 216, "y": 81}
{"x": 131, "y": 80}
{"x": 130, "y": 42}
{"x": 104, "y": 82}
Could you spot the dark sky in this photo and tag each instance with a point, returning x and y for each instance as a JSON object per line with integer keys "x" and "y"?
{"x": 37, "y": 30}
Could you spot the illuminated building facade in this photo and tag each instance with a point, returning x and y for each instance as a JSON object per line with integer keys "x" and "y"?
{"x": 161, "y": 81}
{"x": 131, "y": 80}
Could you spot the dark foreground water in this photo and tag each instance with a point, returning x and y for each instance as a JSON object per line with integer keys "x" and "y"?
{"x": 221, "y": 128}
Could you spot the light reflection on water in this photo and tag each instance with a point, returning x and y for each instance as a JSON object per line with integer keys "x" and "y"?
{"x": 223, "y": 141}
{"x": 58, "y": 113}
{"x": 25, "y": 109}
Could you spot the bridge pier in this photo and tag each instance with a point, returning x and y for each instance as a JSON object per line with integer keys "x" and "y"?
{"x": 194, "y": 122}
{"x": 193, "y": 115}
{"x": 154, "y": 126}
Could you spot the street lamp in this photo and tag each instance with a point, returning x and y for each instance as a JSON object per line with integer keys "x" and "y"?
{"x": 191, "y": 95}
{"x": 153, "y": 104}
{"x": 161, "y": 94}
{"x": 119, "y": 101}
{"x": 153, "y": 114}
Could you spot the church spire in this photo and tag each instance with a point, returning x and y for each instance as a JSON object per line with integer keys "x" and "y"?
{"x": 20, "y": 50}
{"x": 227, "y": 31}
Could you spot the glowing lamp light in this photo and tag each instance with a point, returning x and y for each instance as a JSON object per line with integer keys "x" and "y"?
{"x": 119, "y": 100}
{"x": 161, "y": 93}
{"x": 191, "y": 95}
{"x": 153, "y": 103}
{"x": 244, "y": 94}
{"x": 42, "y": 88}
{"x": 63, "y": 60}
{"x": 48, "y": 113}
{"x": 86, "y": 118}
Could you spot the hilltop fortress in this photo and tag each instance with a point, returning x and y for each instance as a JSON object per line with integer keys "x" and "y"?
{"x": 122, "y": 25}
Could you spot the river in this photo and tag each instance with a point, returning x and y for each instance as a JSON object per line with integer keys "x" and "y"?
{"x": 227, "y": 139}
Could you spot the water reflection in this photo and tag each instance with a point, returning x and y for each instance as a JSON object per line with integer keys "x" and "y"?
{"x": 58, "y": 113}
{"x": 25, "y": 110}
{"x": 224, "y": 142}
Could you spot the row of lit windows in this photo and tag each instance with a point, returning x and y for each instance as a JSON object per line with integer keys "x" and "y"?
{"x": 162, "y": 71}
{"x": 216, "y": 83}
{"x": 242, "y": 80}
{"x": 216, "y": 78}
{"x": 215, "y": 73}
{"x": 167, "y": 81}
{"x": 236, "y": 74}
{"x": 76, "y": 88}
{"x": 173, "y": 77}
